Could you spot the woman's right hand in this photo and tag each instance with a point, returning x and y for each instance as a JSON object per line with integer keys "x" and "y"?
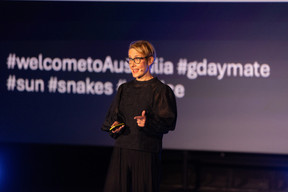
{"x": 118, "y": 129}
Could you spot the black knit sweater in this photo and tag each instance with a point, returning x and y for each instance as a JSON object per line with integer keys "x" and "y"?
{"x": 158, "y": 101}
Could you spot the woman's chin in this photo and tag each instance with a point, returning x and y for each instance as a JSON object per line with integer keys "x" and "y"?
{"x": 136, "y": 75}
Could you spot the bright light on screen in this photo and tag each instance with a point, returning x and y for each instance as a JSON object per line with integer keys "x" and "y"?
{"x": 61, "y": 64}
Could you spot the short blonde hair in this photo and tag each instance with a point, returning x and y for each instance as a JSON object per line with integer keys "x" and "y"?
{"x": 144, "y": 47}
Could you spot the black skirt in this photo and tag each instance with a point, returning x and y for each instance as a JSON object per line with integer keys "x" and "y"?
{"x": 133, "y": 171}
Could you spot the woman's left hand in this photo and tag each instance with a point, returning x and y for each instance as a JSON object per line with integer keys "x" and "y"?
{"x": 141, "y": 120}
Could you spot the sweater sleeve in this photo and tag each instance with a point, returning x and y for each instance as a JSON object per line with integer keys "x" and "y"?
{"x": 112, "y": 114}
{"x": 161, "y": 118}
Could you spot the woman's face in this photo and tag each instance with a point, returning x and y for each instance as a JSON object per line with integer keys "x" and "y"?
{"x": 140, "y": 71}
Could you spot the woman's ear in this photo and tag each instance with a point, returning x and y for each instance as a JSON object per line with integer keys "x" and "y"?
{"x": 150, "y": 60}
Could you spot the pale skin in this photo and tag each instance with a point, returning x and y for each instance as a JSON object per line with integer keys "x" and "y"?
{"x": 141, "y": 72}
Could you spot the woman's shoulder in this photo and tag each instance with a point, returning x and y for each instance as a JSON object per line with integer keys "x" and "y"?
{"x": 162, "y": 86}
{"x": 161, "y": 83}
{"x": 126, "y": 85}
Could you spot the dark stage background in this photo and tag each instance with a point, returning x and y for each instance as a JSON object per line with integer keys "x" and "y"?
{"x": 61, "y": 64}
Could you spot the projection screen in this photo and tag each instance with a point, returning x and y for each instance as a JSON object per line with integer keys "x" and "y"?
{"x": 62, "y": 62}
